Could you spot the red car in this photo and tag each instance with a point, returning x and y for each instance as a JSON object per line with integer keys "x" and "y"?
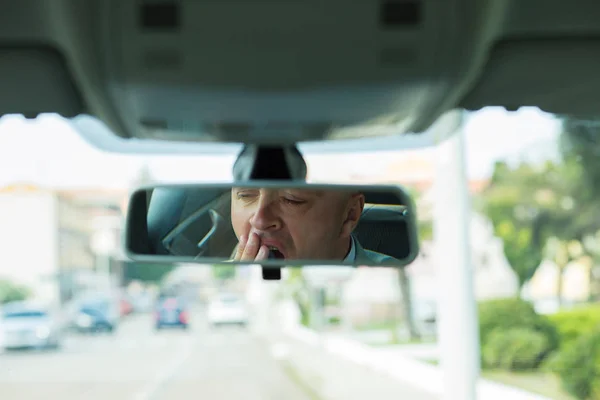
{"x": 125, "y": 306}
{"x": 171, "y": 311}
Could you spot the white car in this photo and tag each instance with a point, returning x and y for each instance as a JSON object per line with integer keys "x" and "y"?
{"x": 227, "y": 309}
{"x": 24, "y": 325}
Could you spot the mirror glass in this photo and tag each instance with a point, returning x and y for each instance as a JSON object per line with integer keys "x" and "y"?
{"x": 272, "y": 225}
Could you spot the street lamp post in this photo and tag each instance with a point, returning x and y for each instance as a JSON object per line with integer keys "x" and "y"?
{"x": 457, "y": 317}
{"x": 103, "y": 244}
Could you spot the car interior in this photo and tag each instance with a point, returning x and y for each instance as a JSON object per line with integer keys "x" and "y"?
{"x": 384, "y": 225}
{"x": 271, "y": 76}
{"x": 264, "y": 72}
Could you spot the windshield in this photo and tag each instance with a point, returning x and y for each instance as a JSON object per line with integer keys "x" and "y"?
{"x": 325, "y": 333}
{"x": 229, "y": 299}
{"x": 94, "y": 310}
{"x": 23, "y": 314}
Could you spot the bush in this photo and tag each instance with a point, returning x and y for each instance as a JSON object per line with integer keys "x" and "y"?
{"x": 577, "y": 322}
{"x": 305, "y": 319}
{"x": 514, "y": 349}
{"x": 504, "y": 315}
{"x": 10, "y": 291}
{"x": 578, "y": 366}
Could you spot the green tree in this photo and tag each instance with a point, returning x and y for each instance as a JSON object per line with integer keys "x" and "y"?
{"x": 580, "y": 148}
{"x": 562, "y": 252}
{"x": 297, "y": 287}
{"x": 564, "y": 228}
{"x": 514, "y": 203}
{"x": 580, "y": 140}
{"x": 224, "y": 271}
{"x": 580, "y": 145}
{"x": 10, "y": 291}
{"x": 146, "y": 272}
{"x": 528, "y": 205}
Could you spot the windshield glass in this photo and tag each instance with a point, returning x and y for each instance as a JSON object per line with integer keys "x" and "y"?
{"x": 98, "y": 309}
{"x": 325, "y": 333}
{"x": 23, "y": 314}
{"x": 229, "y": 299}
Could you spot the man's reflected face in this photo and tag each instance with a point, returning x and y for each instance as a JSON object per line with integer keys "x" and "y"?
{"x": 298, "y": 223}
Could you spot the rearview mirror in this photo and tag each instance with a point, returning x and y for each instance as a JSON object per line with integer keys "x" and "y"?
{"x": 273, "y": 224}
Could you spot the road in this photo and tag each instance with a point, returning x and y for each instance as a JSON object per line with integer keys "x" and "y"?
{"x": 137, "y": 363}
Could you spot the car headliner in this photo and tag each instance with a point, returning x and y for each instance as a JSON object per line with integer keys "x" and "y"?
{"x": 375, "y": 66}
{"x": 99, "y": 135}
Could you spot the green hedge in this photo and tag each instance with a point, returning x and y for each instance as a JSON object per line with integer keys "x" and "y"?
{"x": 514, "y": 313}
{"x": 515, "y": 349}
{"x": 578, "y": 365}
{"x": 574, "y": 323}
{"x": 514, "y": 337}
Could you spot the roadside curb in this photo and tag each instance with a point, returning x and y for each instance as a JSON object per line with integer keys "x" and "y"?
{"x": 296, "y": 376}
{"x": 419, "y": 374}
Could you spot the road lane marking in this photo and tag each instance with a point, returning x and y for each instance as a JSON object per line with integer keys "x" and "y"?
{"x": 166, "y": 373}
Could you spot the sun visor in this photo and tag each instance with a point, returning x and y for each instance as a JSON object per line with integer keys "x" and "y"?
{"x": 38, "y": 81}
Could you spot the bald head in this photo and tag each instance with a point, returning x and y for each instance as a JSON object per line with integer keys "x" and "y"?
{"x": 302, "y": 223}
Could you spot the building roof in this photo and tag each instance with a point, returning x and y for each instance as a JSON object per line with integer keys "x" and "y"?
{"x": 22, "y": 187}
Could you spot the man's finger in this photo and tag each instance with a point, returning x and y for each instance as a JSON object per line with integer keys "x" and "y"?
{"x": 252, "y": 247}
{"x": 240, "y": 247}
{"x": 263, "y": 253}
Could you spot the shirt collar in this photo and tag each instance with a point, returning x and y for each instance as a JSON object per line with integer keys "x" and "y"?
{"x": 351, "y": 256}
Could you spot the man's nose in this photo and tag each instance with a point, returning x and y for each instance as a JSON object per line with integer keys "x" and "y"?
{"x": 266, "y": 217}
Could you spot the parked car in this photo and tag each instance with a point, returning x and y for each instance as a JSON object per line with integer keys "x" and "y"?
{"x": 142, "y": 302}
{"x": 96, "y": 314}
{"x": 171, "y": 311}
{"x": 125, "y": 305}
{"x": 227, "y": 309}
{"x": 26, "y": 325}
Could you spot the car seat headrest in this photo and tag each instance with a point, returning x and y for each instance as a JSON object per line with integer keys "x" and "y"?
{"x": 385, "y": 229}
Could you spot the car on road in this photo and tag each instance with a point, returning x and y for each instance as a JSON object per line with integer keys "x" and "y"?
{"x": 125, "y": 304}
{"x": 94, "y": 318}
{"x": 227, "y": 309}
{"x": 171, "y": 311}
{"x": 26, "y": 325}
{"x": 95, "y": 314}
{"x": 142, "y": 302}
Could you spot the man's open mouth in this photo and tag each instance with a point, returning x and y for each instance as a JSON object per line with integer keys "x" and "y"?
{"x": 274, "y": 253}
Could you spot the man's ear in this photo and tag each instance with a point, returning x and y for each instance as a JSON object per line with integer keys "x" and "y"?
{"x": 356, "y": 204}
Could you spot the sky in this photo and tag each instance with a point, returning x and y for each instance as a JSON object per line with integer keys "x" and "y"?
{"x": 49, "y": 152}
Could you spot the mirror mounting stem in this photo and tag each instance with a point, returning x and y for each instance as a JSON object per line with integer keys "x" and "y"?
{"x": 270, "y": 162}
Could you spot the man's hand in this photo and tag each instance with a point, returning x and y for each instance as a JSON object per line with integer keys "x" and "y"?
{"x": 250, "y": 249}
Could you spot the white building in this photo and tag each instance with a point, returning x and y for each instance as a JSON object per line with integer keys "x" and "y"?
{"x": 29, "y": 240}
{"x": 542, "y": 288}
{"x": 46, "y": 240}
{"x": 493, "y": 276}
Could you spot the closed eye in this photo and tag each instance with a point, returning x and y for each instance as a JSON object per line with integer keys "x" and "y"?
{"x": 245, "y": 196}
{"x": 294, "y": 202}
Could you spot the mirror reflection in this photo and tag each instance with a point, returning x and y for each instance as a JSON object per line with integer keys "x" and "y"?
{"x": 294, "y": 224}
{"x": 253, "y": 224}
